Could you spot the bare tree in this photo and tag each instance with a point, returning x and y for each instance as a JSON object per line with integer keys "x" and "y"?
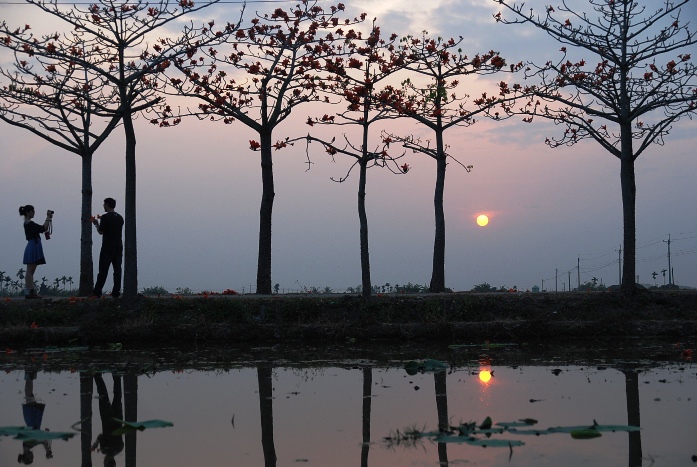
{"x": 430, "y": 99}
{"x": 266, "y": 71}
{"x": 355, "y": 78}
{"x": 640, "y": 83}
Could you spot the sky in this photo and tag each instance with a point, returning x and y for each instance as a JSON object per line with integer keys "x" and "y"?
{"x": 199, "y": 190}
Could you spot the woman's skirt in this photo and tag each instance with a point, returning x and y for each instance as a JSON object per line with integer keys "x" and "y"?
{"x": 33, "y": 413}
{"x": 34, "y": 252}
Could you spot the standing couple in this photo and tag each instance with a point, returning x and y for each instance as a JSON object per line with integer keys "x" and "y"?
{"x": 109, "y": 226}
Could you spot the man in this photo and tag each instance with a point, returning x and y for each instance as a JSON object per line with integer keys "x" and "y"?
{"x": 109, "y": 227}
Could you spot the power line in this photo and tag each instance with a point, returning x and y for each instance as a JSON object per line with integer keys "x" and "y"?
{"x": 589, "y": 269}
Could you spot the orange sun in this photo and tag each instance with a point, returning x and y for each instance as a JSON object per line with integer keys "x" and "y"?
{"x": 482, "y": 220}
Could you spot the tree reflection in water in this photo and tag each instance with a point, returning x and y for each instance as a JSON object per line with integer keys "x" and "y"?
{"x": 86, "y": 392}
{"x": 440, "y": 379}
{"x": 384, "y": 407}
{"x": 367, "y": 401}
{"x": 633, "y": 416}
{"x": 130, "y": 394}
{"x": 264, "y": 375}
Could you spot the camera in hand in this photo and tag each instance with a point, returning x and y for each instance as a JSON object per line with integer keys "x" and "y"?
{"x": 49, "y": 231}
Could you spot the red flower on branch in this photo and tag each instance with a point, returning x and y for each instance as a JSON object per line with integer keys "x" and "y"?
{"x": 405, "y": 168}
{"x": 253, "y": 145}
{"x": 498, "y": 62}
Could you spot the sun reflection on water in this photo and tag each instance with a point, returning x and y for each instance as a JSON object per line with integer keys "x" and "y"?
{"x": 485, "y": 376}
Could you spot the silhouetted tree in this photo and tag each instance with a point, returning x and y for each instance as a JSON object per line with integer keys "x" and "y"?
{"x": 638, "y": 87}
{"x": 280, "y": 55}
{"x": 428, "y": 96}
{"x": 375, "y": 60}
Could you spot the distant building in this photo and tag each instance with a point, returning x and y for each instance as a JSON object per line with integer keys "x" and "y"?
{"x": 535, "y": 288}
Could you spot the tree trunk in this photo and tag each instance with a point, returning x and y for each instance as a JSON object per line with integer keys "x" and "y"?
{"x": 440, "y": 379}
{"x": 264, "y": 375}
{"x": 438, "y": 274}
{"x": 367, "y": 402}
{"x": 633, "y": 416}
{"x": 265, "y": 212}
{"x": 130, "y": 400}
{"x": 86, "y": 280}
{"x": 365, "y": 254}
{"x": 628, "y": 181}
{"x": 130, "y": 269}
{"x": 86, "y": 391}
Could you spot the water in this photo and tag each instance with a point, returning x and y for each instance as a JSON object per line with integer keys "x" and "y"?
{"x": 273, "y": 408}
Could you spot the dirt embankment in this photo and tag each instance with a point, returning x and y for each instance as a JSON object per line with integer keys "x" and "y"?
{"x": 453, "y": 317}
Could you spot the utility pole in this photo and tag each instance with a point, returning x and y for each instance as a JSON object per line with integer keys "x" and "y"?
{"x": 569, "y": 280}
{"x": 670, "y": 270}
{"x": 556, "y": 280}
{"x": 578, "y": 269}
{"x": 619, "y": 261}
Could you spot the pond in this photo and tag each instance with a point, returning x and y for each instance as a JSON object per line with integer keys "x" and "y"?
{"x": 270, "y": 407}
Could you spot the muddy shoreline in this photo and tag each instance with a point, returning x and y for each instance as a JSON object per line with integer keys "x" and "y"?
{"x": 327, "y": 318}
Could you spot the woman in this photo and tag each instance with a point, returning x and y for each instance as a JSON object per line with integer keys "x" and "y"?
{"x": 34, "y": 252}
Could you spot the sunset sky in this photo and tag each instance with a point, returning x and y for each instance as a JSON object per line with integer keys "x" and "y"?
{"x": 199, "y": 189}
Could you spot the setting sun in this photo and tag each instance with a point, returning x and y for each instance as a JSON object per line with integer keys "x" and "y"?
{"x": 482, "y": 220}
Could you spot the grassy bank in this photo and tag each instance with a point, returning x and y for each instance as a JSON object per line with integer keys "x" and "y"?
{"x": 456, "y": 317}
